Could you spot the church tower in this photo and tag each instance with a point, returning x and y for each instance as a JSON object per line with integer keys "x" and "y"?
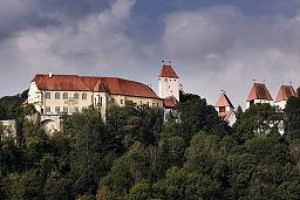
{"x": 168, "y": 82}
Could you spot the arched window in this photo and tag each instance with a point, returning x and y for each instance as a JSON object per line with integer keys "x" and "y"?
{"x": 47, "y": 95}
{"x": 76, "y": 96}
{"x": 57, "y": 95}
{"x": 84, "y": 96}
{"x": 65, "y": 95}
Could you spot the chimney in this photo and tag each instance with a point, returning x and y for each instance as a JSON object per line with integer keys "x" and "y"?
{"x": 50, "y": 75}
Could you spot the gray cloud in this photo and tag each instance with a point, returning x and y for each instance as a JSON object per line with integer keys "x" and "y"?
{"x": 18, "y": 15}
{"x": 222, "y": 48}
{"x": 212, "y": 48}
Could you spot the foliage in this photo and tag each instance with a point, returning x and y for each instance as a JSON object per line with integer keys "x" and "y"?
{"x": 135, "y": 154}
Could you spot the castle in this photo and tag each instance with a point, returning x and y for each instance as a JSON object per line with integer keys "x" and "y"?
{"x": 54, "y": 95}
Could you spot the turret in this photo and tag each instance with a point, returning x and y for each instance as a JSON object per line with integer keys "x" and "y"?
{"x": 225, "y": 109}
{"x": 285, "y": 92}
{"x": 259, "y": 94}
{"x": 168, "y": 82}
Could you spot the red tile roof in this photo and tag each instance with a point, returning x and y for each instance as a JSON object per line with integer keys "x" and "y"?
{"x": 170, "y": 102}
{"x": 112, "y": 85}
{"x": 285, "y": 92}
{"x": 259, "y": 91}
{"x": 60, "y": 82}
{"x": 224, "y": 101}
{"x": 167, "y": 71}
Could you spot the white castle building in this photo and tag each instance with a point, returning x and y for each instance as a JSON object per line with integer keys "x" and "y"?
{"x": 56, "y": 95}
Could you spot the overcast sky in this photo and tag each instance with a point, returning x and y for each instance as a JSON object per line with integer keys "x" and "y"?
{"x": 213, "y": 44}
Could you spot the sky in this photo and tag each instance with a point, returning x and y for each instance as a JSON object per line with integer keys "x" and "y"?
{"x": 213, "y": 45}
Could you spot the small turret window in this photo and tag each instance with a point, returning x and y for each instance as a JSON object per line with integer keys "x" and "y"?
{"x": 222, "y": 109}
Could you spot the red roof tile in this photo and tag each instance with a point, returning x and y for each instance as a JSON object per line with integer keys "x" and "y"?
{"x": 224, "y": 101}
{"x": 170, "y": 102}
{"x": 128, "y": 88}
{"x": 60, "y": 82}
{"x": 285, "y": 92}
{"x": 167, "y": 71}
{"x": 111, "y": 85}
{"x": 259, "y": 91}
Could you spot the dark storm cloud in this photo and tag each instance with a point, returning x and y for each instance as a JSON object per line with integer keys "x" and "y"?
{"x": 18, "y": 15}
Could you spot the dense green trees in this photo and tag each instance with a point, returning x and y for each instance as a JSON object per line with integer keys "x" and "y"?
{"x": 10, "y": 106}
{"x": 134, "y": 155}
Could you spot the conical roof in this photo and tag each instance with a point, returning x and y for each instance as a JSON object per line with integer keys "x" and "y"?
{"x": 285, "y": 92}
{"x": 224, "y": 101}
{"x": 259, "y": 91}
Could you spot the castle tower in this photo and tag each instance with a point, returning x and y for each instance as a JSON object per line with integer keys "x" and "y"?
{"x": 285, "y": 92}
{"x": 168, "y": 82}
{"x": 225, "y": 109}
{"x": 259, "y": 94}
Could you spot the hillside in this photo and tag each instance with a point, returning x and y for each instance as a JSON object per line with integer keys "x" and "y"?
{"x": 135, "y": 155}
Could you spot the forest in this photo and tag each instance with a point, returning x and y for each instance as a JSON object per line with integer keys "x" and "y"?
{"x": 137, "y": 155}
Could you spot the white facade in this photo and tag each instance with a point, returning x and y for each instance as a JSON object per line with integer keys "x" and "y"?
{"x": 258, "y": 101}
{"x": 281, "y": 104}
{"x": 168, "y": 86}
{"x": 35, "y": 97}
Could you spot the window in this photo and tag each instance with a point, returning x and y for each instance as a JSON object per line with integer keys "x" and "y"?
{"x": 141, "y": 103}
{"x": 48, "y": 96}
{"x": 112, "y": 100}
{"x": 57, "y": 109}
{"x": 222, "y": 109}
{"x": 174, "y": 79}
{"x": 157, "y": 104}
{"x": 121, "y": 101}
{"x": 65, "y": 109}
{"x": 100, "y": 101}
{"x": 76, "y": 109}
{"x": 76, "y": 96}
{"x": 84, "y": 96}
{"x": 48, "y": 109}
{"x": 65, "y": 95}
{"x": 57, "y": 95}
